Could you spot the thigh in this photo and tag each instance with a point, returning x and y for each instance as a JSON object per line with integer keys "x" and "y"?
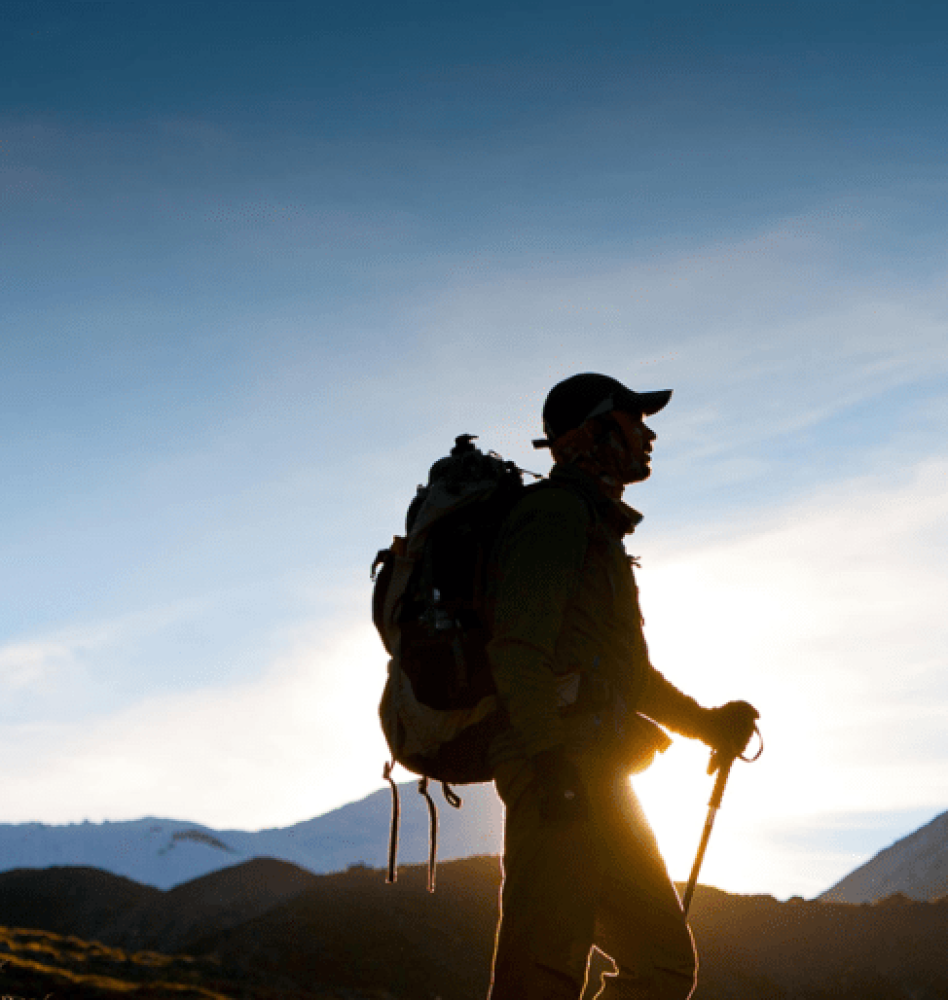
{"x": 551, "y": 887}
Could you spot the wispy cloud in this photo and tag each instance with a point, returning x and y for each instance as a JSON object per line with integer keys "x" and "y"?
{"x": 42, "y": 663}
{"x": 24, "y": 664}
{"x": 773, "y": 322}
{"x": 72, "y": 669}
{"x": 287, "y": 745}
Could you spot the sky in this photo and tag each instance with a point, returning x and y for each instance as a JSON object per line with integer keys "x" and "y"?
{"x": 260, "y": 263}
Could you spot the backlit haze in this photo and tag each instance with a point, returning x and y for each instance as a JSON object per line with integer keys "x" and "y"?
{"x": 261, "y": 263}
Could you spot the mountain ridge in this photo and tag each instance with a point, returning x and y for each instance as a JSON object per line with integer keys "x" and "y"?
{"x": 167, "y": 852}
{"x": 164, "y": 853}
{"x": 915, "y": 866}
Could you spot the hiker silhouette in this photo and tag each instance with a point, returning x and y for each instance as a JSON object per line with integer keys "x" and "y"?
{"x": 570, "y": 664}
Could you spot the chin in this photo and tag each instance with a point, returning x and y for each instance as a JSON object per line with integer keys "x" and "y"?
{"x": 639, "y": 474}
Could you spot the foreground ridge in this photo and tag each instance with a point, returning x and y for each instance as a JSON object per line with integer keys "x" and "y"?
{"x": 266, "y": 929}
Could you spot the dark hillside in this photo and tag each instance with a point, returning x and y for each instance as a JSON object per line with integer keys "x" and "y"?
{"x": 216, "y": 902}
{"x": 753, "y": 947}
{"x": 70, "y": 900}
{"x": 267, "y": 929}
{"x": 353, "y": 931}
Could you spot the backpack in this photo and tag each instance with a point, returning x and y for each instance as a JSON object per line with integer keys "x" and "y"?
{"x": 439, "y": 711}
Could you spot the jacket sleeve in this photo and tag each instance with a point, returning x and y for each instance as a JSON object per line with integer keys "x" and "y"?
{"x": 539, "y": 560}
{"x": 664, "y": 703}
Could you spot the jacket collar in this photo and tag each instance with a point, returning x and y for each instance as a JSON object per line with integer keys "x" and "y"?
{"x": 619, "y": 516}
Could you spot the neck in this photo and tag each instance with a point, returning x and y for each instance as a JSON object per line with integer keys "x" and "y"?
{"x": 609, "y": 485}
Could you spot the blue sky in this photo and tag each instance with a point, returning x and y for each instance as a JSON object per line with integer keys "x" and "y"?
{"x": 260, "y": 263}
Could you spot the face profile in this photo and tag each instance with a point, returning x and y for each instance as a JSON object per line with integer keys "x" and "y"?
{"x": 635, "y": 437}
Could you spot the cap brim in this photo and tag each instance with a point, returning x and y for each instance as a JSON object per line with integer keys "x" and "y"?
{"x": 652, "y": 402}
{"x": 638, "y": 403}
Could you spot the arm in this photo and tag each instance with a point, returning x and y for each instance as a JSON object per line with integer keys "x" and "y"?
{"x": 539, "y": 558}
{"x": 664, "y": 703}
{"x": 727, "y": 729}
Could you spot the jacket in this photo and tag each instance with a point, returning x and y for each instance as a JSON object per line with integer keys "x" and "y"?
{"x": 568, "y": 653}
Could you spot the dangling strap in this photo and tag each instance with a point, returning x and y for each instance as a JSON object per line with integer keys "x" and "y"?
{"x": 432, "y": 833}
{"x": 393, "y": 829}
{"x": 450, "y": 795}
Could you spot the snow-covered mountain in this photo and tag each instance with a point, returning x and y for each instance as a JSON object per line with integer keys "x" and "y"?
{"x": 916, "y": 866}
{"x": 167, "y": 852}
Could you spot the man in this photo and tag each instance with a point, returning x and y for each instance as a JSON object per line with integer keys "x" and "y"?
{"x": 581, "y": 865}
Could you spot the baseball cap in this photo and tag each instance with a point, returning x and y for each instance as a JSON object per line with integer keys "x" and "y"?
{"x": 575, "y": 400}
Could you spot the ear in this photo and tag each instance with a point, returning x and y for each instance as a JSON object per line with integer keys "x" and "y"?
{"x": 599, "y": 428}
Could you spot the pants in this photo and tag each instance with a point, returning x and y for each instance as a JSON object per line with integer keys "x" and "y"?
{"x": 596, "y": 882}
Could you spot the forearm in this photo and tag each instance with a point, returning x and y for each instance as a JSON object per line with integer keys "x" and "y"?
{"x": 664, "y": 703}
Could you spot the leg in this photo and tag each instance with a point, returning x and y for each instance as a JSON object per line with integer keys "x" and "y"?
{"x": 548, "y": 898}
{"x": 640, "y": 922}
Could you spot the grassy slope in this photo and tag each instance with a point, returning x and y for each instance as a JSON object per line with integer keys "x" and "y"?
{"x": 39, "y": 963}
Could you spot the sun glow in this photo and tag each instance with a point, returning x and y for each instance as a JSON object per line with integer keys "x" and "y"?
{"x": 801, "y": 619}
{"x": 674, "y": 793}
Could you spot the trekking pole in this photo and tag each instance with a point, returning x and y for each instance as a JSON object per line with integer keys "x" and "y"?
{"x": 723, "y": 765}
{"x": 714, "y": 804}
